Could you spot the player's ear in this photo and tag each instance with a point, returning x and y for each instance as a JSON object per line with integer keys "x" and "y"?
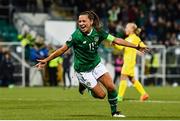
{"x": 91, "y": 21}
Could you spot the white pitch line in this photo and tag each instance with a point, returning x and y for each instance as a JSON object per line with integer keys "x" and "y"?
{"x": 154, "y": 101}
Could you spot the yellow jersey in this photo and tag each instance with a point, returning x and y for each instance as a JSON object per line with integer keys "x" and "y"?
{"x": 130, "y": 55}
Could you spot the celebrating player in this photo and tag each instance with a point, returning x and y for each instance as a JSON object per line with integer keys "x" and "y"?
{"x": 87, "y": 63}
{"x": 130, "y": 61}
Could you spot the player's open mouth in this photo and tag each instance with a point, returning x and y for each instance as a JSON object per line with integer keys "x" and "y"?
{"x": 83, "y": 27}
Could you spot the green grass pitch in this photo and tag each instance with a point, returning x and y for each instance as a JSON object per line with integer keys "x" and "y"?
{"x": 57, "y": 103}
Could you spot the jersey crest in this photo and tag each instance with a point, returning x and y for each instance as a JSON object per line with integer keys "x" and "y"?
{"x": 96, "y": 39}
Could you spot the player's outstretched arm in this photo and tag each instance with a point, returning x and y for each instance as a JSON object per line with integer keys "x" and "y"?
{"x": 41, "y": 63}
{"x": 123, "y": 42}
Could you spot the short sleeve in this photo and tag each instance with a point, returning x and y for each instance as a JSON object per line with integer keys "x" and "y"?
{"x": 103, "y": 34}
{"x": 70, "y": 42}
{"x": 106, "y": 36}
{"x": 142, "y": 44}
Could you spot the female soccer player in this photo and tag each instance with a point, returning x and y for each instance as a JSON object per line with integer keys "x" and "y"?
{"x": 87, "y": 63}
{"x": 129, "y": 62}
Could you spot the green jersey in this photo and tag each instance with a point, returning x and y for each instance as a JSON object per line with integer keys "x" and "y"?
{"x": 85, "y": 48}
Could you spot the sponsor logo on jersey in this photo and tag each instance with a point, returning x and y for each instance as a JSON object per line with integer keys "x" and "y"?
{"x": 84, "y": 42}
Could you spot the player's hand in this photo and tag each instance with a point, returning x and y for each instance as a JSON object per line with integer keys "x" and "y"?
{"x": 142, "y": 48}
{"x": 41, "y": 64}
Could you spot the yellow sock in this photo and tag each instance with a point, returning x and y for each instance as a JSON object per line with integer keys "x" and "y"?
{"x": 139, "y": 87}
{"x": 122, "y": 88}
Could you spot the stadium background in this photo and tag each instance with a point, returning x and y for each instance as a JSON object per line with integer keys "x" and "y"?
{"x": 41, "y": 26}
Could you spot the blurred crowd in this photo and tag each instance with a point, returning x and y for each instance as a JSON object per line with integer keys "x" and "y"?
{"x": 159, "y": 20}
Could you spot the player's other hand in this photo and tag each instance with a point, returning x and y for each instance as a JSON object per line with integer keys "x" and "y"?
{"x": 142, "y": 47}
{"x": 41, "y": 64}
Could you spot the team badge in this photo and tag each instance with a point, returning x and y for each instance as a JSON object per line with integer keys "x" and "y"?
{"x": 96, "y": 39}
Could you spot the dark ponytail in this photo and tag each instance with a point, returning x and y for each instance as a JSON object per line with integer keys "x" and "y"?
{"x": 93, "y": 16}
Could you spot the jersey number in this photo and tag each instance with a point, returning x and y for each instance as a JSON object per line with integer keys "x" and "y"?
{"x": 92, "y": 46}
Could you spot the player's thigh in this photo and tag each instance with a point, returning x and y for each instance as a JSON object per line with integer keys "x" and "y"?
{"x": 106, "y": 80}
{"x": 89, "y": 81}
{"x": 98, "y": 91}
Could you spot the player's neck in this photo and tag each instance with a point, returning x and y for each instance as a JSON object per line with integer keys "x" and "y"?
{"x": 88, "y": 34}
{"x": 131, "y": 34}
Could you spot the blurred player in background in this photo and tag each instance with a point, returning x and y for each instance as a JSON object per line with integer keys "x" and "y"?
{"x": 118, "y": 67}
{"x": 90, "y": 72}
{"x": 66, "y": 67}
{"x": 128, "y": 69}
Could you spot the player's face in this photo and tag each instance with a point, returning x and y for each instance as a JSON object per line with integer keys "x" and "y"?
{"x": 128, "y": 29}
{"x": 85, "y": 24}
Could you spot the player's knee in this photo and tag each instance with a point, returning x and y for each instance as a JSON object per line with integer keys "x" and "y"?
{"x": 111, "y": 88}
{"x": 102, "y": 95}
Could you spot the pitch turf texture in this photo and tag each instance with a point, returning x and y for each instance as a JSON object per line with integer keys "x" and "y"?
{"x": 57, "y": 103}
